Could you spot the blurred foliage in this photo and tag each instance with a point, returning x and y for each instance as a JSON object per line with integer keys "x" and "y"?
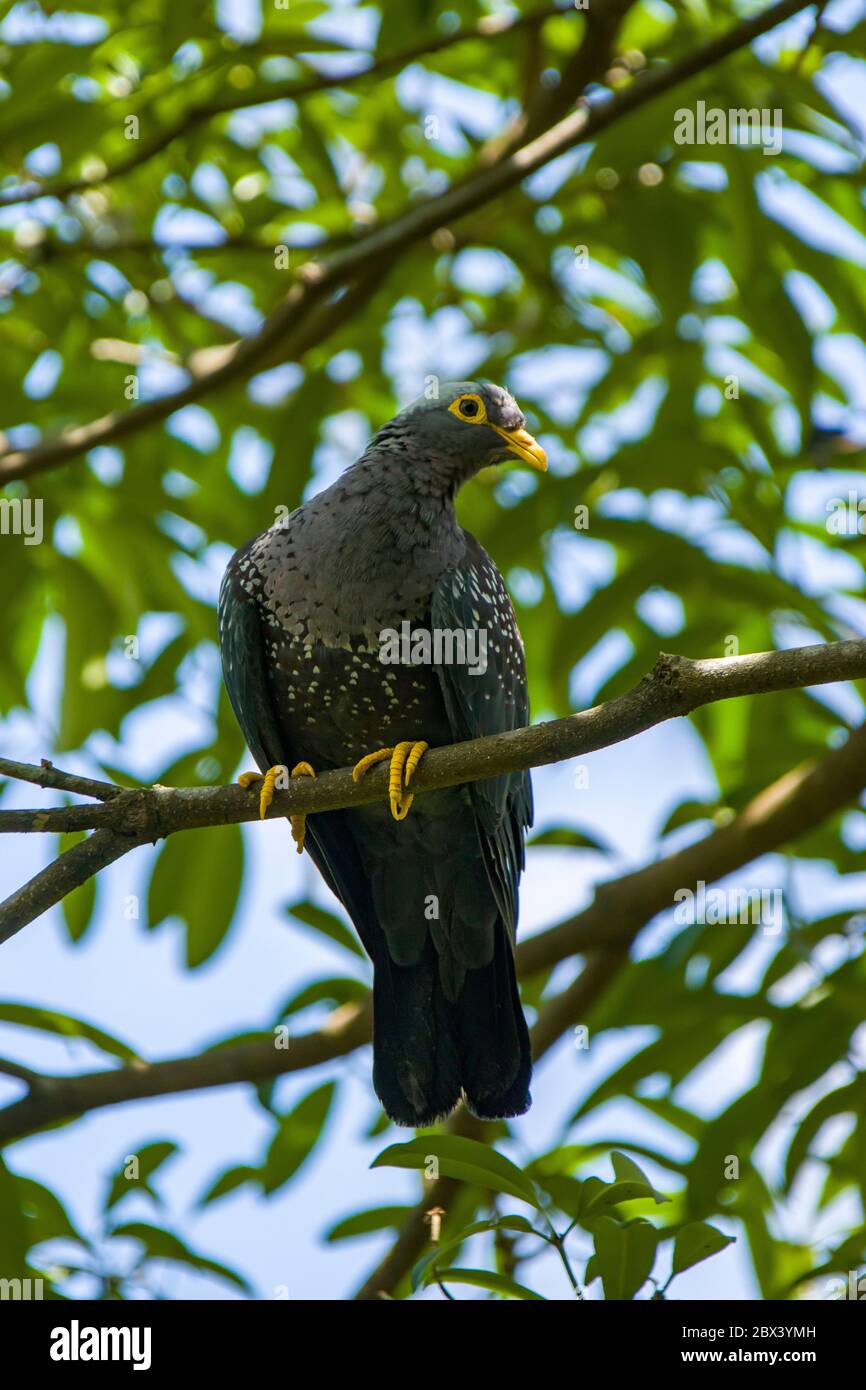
{"x": 624, "y": 1246}
{"x": 670, "y": 317}
{"x": 126, "y": 1259}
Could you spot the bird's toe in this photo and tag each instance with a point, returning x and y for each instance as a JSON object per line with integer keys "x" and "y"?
{"x": 369, "y": 760}
{"x": 404, "y": 760}
{"x": 299, "y": 823}
{"x": 275, "y": 776}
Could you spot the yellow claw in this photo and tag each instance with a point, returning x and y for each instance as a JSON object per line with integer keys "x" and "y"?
{"x": 299, "y": 823}
{"x": 399, "y": 807}
{"x": 368, "y": 761}
{"x": 404, "y": 760}
{"x": 414, "y": 758}
{"x": 269, "y": 781}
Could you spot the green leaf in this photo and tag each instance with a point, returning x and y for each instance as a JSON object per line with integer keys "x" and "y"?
{"x": 64, "y": 1025}
{"x": 631, "y": 1185}
{"x": 624, "y": 1256}
{"x": 337, "y": 990}
{"x": 229, "y": 1181}
{"x": 843, "y": 1100}
{"x": 311, "y": 915}
{"x": 363, "y": 1223}
{"x": 461, "y": 1158}
{"x": 160, "y": 1244}
{"x": 425, "y": 1270}
{"x": 687, "y": 813}
{"x": 696, "y": 1242}
{"x": 197, "y": 877}
{"x": 45, "y": 1215}
{"x": 569, "y": 837}
{"x": 628, "y": 1172}
{"x": 145, "y": 1163}
{"x": 13, "y": 1228}
{"x": 566, "y": 1192}
{"x": 296, "y": 1137}
{"x": 486, "y": 1279}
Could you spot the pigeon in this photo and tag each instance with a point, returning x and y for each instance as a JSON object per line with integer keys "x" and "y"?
{"x": 368, "y": 625}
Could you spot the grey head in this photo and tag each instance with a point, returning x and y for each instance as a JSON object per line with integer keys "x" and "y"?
{"x": 447, "y": 435}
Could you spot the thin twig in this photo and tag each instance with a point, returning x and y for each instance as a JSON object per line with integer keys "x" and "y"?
{"x": 19, "y": 1072}
{"x": 45, "y": 774}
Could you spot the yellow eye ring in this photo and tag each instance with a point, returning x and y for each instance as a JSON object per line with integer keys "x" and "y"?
{"x": 469, "y": 408}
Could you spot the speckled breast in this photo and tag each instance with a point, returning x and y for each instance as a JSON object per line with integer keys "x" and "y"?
{"x": 337, "y": 703}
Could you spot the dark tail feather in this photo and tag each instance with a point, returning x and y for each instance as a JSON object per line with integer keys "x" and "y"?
{"x": 416, "y": 1067}
{"x": 426, "y": 1050}
{"x": 495, "y": 1056}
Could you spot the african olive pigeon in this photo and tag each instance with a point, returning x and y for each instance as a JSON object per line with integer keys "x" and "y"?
{"x": 368, "y": 625}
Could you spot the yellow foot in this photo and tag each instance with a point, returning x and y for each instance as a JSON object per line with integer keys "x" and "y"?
{"x": 404, "y": 760}
{"x": 299, "y": 823}
{"x": 269, "y": 781}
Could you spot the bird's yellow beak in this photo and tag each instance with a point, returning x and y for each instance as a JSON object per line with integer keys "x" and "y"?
{"x": 521, "y": 443}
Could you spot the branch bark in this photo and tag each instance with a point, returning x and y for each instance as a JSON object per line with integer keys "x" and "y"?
{"x": 675, "y": 686}
{"x": 45, "y": 774}
{"x": 603, "y": 931}
{"x": 384, "y": 246}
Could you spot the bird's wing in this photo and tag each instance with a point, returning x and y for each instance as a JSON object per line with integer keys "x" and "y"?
{"x": 472, "y": 596}
{"x": 243, "y": 651}
{"x": 242, "y": 644}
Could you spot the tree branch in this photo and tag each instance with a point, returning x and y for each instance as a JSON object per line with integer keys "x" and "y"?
{"x": 384, "y": 246}
{"x": 228, "y": 101}
{"x": 795, "y": 804}
{"x": 54, "y": 1097}
{"x": 675, "y": 686}
{"x": 47, "y": 775}
{"x": 19, "y": 1072}
{"x": 588, "y": 62}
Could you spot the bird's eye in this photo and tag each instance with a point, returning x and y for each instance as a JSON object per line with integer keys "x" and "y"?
{"x": 469, "y": 407}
